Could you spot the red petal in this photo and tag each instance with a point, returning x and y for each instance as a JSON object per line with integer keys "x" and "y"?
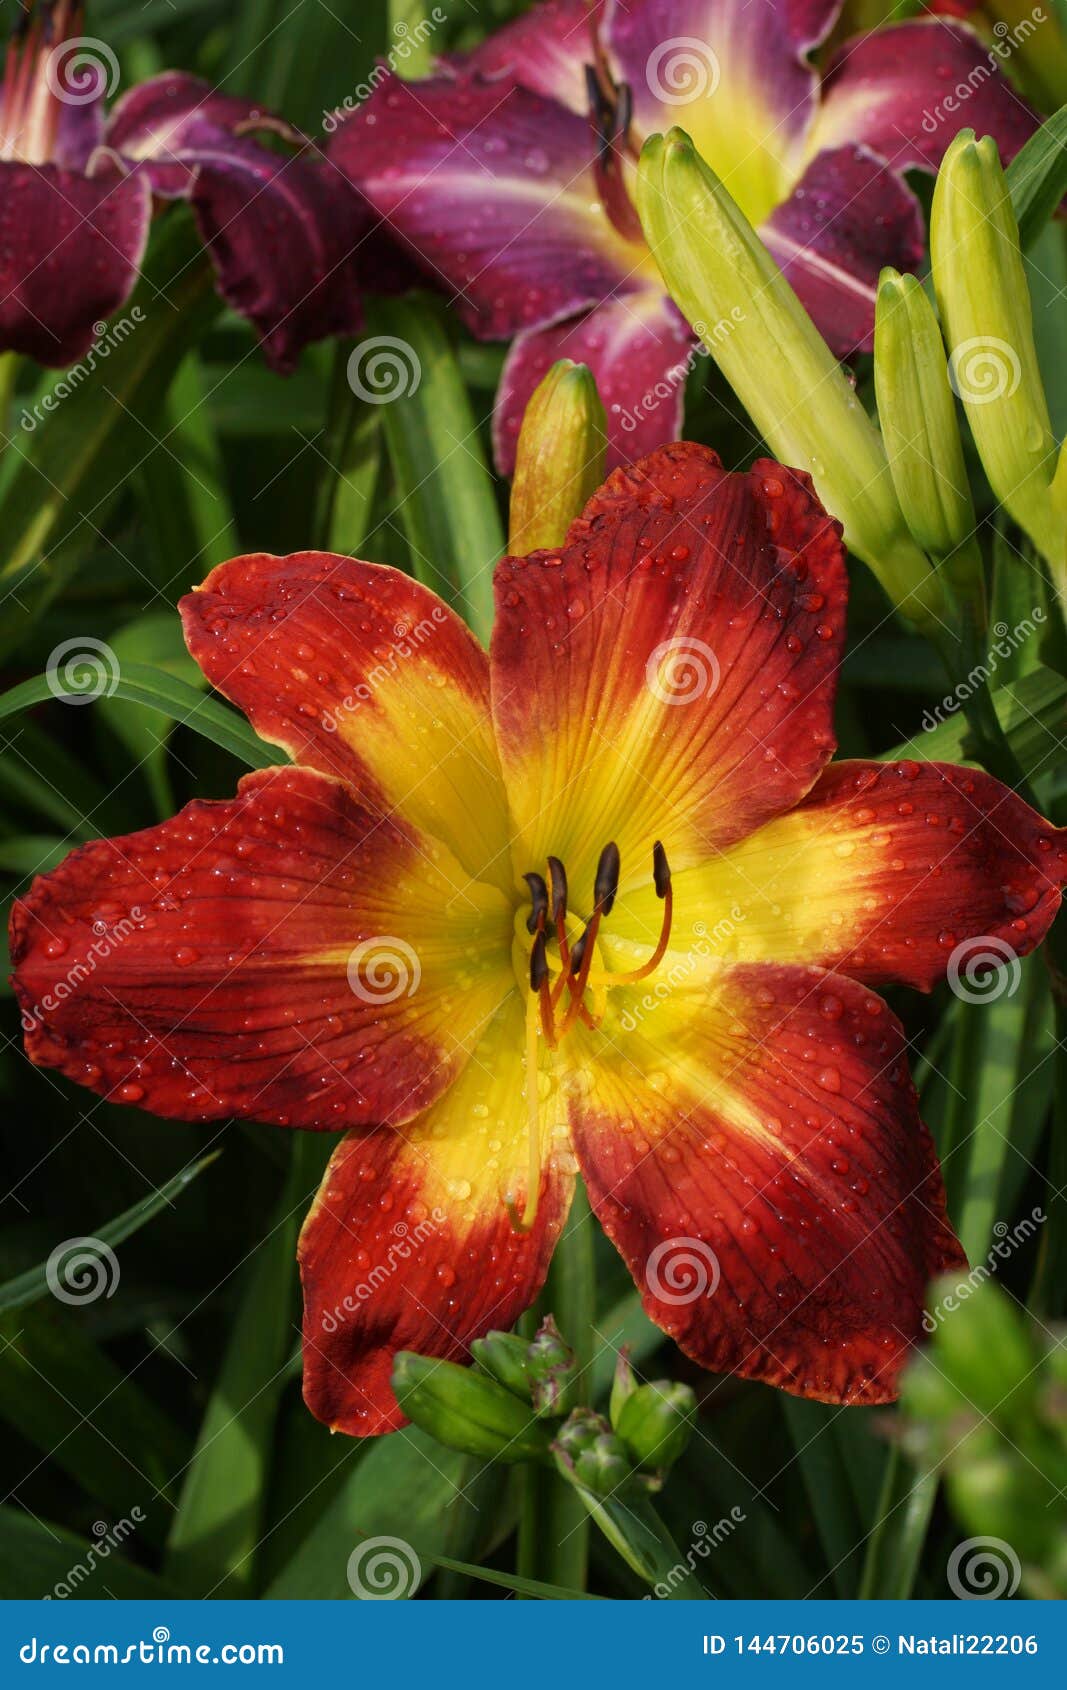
{"x": 759, "y": 1161}
{"x": 545, "y": 50}
{"x": 70, "y": 250}
{"x": 677, "y": 660}
{"x": 887, "y": 871}
{"x": 358, "y": 671}
{"x": 409, "y": 1245}
{"x": 236, "y": 961}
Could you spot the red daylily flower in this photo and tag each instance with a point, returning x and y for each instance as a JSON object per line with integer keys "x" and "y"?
{"x": 594, "y": 901}
{"x": 77, "y": 190}
{"x": 509, "y": 176}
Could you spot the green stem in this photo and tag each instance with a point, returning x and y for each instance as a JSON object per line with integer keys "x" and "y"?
{"x": 964, "y": 659}
{"x": 895, "y": 1546}
{"x": 632, "y": 1527}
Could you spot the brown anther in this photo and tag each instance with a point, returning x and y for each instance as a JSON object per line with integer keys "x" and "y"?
{"x": 661, "y": 870}
{"x": 538, "y": 964}
{"x": 606, "y": 884}
{"x": 535, "y": 921}
{"x": 559, "y": 891}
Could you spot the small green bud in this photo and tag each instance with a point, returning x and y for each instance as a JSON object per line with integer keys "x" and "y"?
{"x": 465, "y": 1411}
{"x": 917, "y": 412}
{"x": 984, "y": 301}
{"x": 723, "y": 279}
{"x": 552, "y": 1370}
{"x": 588, "y": 1453}
{"x": 623, "y": 1384}
{"x": 503, "y": 1356}
{"x": 560, "y": 460}
{"x": 985, "y": 1348}
{"x": 656, "y": 1423}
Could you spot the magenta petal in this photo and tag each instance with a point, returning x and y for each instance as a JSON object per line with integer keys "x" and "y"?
{"x": 906, "y": 91}
{"x": 546, "y": 50}
{"x": 492, "y": 189}
{"x": 848, "y": 216}
{"x": 285, "y": 237}
{"x": 70, "y": 250}
{"x": 679, "y": 55}
{"x": 167, "y": 124}
{"x": 638, "y": 347}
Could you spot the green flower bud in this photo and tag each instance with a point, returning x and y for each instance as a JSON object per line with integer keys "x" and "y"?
{"x": 984, "y": 303}
{"x": 985, "y": 1348}
{"x": 588, "y": 1453}
{"x": 622, "y": 1385}
{"x": 656, "y": 1423}
{"x": 726, "y": 283}
{"x": 560, "y": 460}
{"x": 917, "y": 412}
{"x": 503, "y": 1356}
{"x": 465, "y": 1411}
{"x": 552, "y": 1370}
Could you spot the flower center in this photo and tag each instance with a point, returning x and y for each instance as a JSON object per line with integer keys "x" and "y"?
{"x": 40, "y": 77}
{"x": 564, "y": 985}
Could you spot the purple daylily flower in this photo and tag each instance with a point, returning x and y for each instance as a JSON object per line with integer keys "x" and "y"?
{"x": 509, "y": 175}
{"x": 77, "y": 190}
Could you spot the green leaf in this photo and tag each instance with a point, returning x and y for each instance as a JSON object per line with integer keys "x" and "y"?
{"x": 76, "y": 462}
{"x": 510, "y": 1581}
{"x": 38, "y": 1559}
{"x": 1031, "y": 712}
{"x": 444, "y": 490}
{"x": 1037, "y": 177}
{"x": 171, "y": 697}
{"x": 219, "y": 1521}
{"x": 31, "y": 1286}
{"x": 406, "y": 1485}
{"x": 156, "y": 640}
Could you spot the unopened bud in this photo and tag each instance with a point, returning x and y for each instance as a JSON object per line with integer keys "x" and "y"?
{"x": 552, "y": 1370}
{"x": 503, "y": 1356}
{"x": 656, "y": 1423}
{"x": 466, "y": 1411}
{"x": 560, "y": 460}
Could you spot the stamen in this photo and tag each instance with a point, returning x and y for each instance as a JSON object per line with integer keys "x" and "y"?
{"x": 606, "y": 885}
{"x": 661, "y": 875}
{"x": 539, "y": 984}
{"x": 524, "y": 1221}
{"x": 535, "y": 921}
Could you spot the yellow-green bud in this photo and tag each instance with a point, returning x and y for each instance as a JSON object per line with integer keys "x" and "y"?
{"x": 560, "y": 460}
{"x": 656, "y": 1422}
{"x": 917, "y": 411}
{"x": 726, "y": 283}
{"x": 984, "y": 302}
{"x": 464, "y": 1410}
